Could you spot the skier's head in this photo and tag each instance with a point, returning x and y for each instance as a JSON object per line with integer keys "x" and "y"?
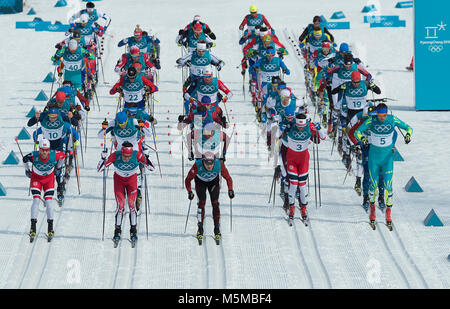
{"x": 263, "y": 31}
{"x": 198, "y": 29}
{"x": 356, "y": 78}
{"x": 270, "y": 53}
{"x": 132, "y": 110}
{"x": 138, "y": 67}
{"x": 135, "y": 53}
{"x": 326, "y": 47}
{"x": 126, "y": 151}
{"x": 208, "y": 160}
{"x": 317, "y": 34}
{"x": 53, "y": 112}
{"x": 207, "y": 75}
{"x": 285, "y": 95}
{"x": 90, "y": 6}
{"x": 122, "y": 119}
{"x": 138, "y": 33}
{"x": 131, "y": 73}
{"x": 281, "y": 86}
{"x": 256, "y": 30}
{"x": 201, "y": 48}
{"x": 196, "y": 18}
{"x": 289, "y": 112}
{"x": 317, "y": 20}
{"x": 253, "y": 10}
{"x": 301, "y": 121}
{"x": 348, "y": 61}
{"x": 275, "y": 81}
{"x": 60, "y": 97}
{"x": 44, "y": 148}
{"x": 73, "y": 45}
{"x": 382, "y": 111}
{"x": 84, "y": 18}
{"x": 76, "y": 35}
{"x": 202, "y": 110}
{"x": 267, "y": 40}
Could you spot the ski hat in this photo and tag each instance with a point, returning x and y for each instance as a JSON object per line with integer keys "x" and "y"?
{"x": 73, "y": 45}
{"x": 267, "y": 39}
{"x": 285, "y": 93}
{"x": 138, "y": 31}
{"x": 84, "y": 18}
{"x": 356, "y": 76}
{"x": 300, "y": 120}
{"x": 197, "y": 17}
{"x": 198, "y": 26}
{"x": 53, "y": 112}
{"x": 127, "y": 149}
{"x": 121, "y": 118}
{"x": 317, "y": 19}
{"x": 382, "y": 109}
{"x": 60, "y": 96}
{"x": 343, "y": 48}
{"x": 131, "y": 72}
{"x": 281, "y": 85}
{"x": 275, "y": 80}
{"x": 317, "y": 33}
{"x": 201, "y": 46}
{"x": 76, "y": 34}
{"x": 135, "y": 51}
{"x": 348, "y": 59}
{"x": 90, "y": 5}
{"x": 326, "y": 44}
{"x": 44, "y": 143}
{"x": 289, "y": 111}
{"x": 207, "y": 72}
{"x": 263, "y": 31}
{"x": 132, "y": 111}
{"x": 253, "y": 8}
{"x": 270, "y": 51}
{"x": 67, "y": 89}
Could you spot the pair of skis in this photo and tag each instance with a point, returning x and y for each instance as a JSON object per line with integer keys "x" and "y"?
{"x": 217, "y": 239}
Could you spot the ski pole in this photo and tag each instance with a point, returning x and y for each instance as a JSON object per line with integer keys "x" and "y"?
{"x": 156, "y": 148}
{"x": 315, "y": 179}
{"x": 187, "y": 217}
{"x": 231, "y": 215}
{"x": 318, "y": 175}
{"x": 104, "y": 187}
{"x": 146, "y": 203}
{"x": 53, "y": 81}
{"x": 271, "y": 188}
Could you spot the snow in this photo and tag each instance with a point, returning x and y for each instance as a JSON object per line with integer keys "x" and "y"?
{"x": 338, "y": 249}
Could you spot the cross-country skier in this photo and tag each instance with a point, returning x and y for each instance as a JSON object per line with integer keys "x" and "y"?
{"x": 381, "y": 139}
{"x": 254, "y": 19}
{"x": 184, "y": 33}
{"x": 206, "y": 173}
{"x": 316, "y": 25}
{"x": 135, "y": 56}
{"x": 299, "y": 136}
{"x": 133, "y": 88}
{"x": 93, "y": 14}
{"x": 123, "y": 129}
{"x": 40, "y": 167}
{"x": 126, "y": 162}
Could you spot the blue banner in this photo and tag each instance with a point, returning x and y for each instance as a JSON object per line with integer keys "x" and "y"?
{"x": 431, "y": 53}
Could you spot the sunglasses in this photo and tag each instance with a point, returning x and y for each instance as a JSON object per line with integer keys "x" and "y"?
{"x": 208, "y": 161}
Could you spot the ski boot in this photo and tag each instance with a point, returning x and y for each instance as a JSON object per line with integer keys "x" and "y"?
{"x": 33, "y": 229}
{"x": 200, "y": 234}
{"x": 388, "y": 217}
{"x": 117, "y": 233}
{"x": 50, "y": 231}
{"x": 291, "y": 214}
{"x": 133, "y": 235}
{"x": 217, "y": 235}
{"x": 365, "y": 204}
{"x": 304, "y": 214}
{"x": 381, "y": 202}
{"x": 358, "y": 186}
{"x": 372, "y": 215}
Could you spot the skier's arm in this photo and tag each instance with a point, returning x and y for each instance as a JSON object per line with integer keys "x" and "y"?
{"x": 403, "y": 125}
{"x": 123, "y": 42}
{"x": 362, "y": 128}
{"x": 148, "y": 83}
{"x": 330, "y": 36}
{"x": 190, "y": 176}
{"x": 243, "y": 23}
{"x": 266, "y": 22}
{"x": 115, "y": 89}
{"x": 225, "y": 174}
{"x": 351, "y": 132}
{"x": 225, "y": 90}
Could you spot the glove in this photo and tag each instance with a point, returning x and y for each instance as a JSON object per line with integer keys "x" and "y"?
{"x": 191, "y": 156}
{"x": 140, "y": 123}
{"x": 286, "y": 71}
{"x": 407, "y": 138}
{"x": 343, "y": 86}
{"x": 365, "y": 142}
{"x": 317, "y": 125}
{"x": 190, "y": 195}
{"x": 231, "y": 194}
{"x": 277, "y": 173}
{"x": 60, "y": 74}
{"x": 223, "y": 158}
{"x": 101, "y": 166}
{"x": 301, "y": 45}
{"x": 104, "y": 154}
{"x": 241, "y": 28}
{"x": 220, "y": 65}
{"x": 104, "y": 124}
{"x": 157, "y": 64}
{"x": 243, "y": 72}
{"x": 225, "y": 99}
{"x": 181, "y": 118}
{"x": 76, "y": 144}
{"x": 87, "y": 108}
{"x": 244, "y": 65}
{"x": 119, "y": 89}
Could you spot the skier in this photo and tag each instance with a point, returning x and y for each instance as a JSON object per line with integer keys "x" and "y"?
{"x": 299, "y": 137}
{"x": 206, "y": 173}
{"x": 126, "y": 162}
{"x": 316, "y": 25}
{"x": 133, "y": 88}
{"x": 134, "y": 56}
{"x": 123, "y": 129}
{"x": 72, "y": 58}
{"x": 183, "y": 33}
{"x": 381, "y": 140}
{"x": 40, "y": 167}
{"x": 193, "y": 36}
{"x": 254, "y": 19}
{"x": 93, "y": 14}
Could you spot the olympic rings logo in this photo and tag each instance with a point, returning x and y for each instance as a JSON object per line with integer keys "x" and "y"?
{"x": 202, "y": 61}
{"x": 72, "y": 57}
{"x": 435, "y": 48}
{"x": 43, "y": 166}
{"x": 356, "y": 92}
{"x": 208, "y": 88}
{"x": 300, "y": 135}
{"x": 346, "y": 74}
{"x": 383, "y": 128}
{"x": 124, "y": 132}
{"x": 52, "y": 125}
{"x": 209, "y": 175}
{"x": 126, "y": 166}
{"x": 270, "y": 66}
{"x": 133, "y": 86}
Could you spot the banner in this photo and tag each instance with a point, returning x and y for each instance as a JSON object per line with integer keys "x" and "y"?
{"x": 431, "y": 54}
{"x": 11, "y": 6}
